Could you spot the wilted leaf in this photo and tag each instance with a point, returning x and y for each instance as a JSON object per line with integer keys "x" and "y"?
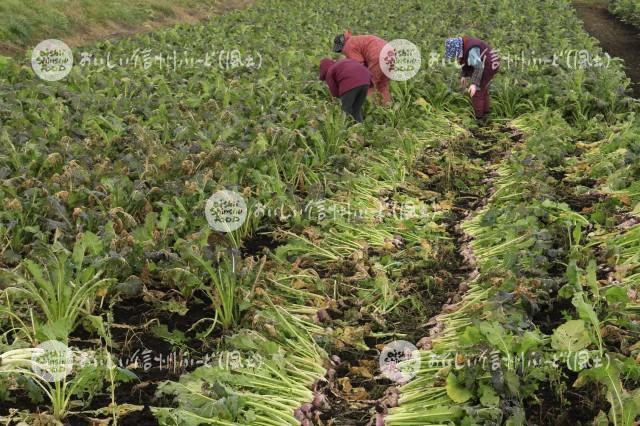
{"x": 361, "y": 371}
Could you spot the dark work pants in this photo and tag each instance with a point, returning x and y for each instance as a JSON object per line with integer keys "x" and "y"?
{"x": 353, "y": 101}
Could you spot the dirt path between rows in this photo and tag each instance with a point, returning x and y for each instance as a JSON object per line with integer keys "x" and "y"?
{"x": 616, "y": 37}
{"x": 355, "y": 392}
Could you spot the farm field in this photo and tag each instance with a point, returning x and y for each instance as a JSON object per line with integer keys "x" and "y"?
{"x": 508, "y": 254}
{"x": 628, "y": 10}
{"x": 614, "y": 33}
{"x": 24, "y": 23}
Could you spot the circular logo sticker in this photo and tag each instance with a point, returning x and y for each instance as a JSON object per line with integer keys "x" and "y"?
{"x": 52, "y": 361}
{"x": 52, "y": 60}
{"x": 400, "y": 60}
{"x": 400, "y": 361}
{"x": 226, "y": 211}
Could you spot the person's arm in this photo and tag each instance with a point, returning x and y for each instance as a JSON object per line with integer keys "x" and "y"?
{"x": 466, "y": 72}
{"x": 332, "y": 82}
{"x": 477, "y": 64}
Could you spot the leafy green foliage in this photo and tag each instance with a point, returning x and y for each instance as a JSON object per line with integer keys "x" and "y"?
{"x": 25, "y": 22}
{"x": 227, "y": 283}
{"x": 129, "y": 157}
{"x": 629, "y": 10}
{"x": 62, "y": 285}
{"x": 84, "y": 381}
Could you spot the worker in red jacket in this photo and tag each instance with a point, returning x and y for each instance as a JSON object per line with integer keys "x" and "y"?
{"x": 349, "y": 81}
{"x": 366, "y": 49}
{"x": 480, "y": 64}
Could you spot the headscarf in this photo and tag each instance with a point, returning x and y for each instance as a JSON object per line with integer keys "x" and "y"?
{"x": 453, "y": 48}
{"x": 325, "y": 64}
{"x": 339, "y": 42}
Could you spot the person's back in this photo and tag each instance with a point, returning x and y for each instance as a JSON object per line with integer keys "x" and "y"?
{"x": 350, "y": 81}
{"x": 364, "y": 49}
{"x": 350, "y": 74}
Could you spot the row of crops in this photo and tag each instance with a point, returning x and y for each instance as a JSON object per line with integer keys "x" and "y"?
{"x": 628, "y": 10}
{"x": 510, "y": 254}
{"x": 554, "y": 306}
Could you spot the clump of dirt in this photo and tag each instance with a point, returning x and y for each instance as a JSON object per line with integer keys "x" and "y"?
{"x": 260, "y": 243}
{"x": 566, "y": 408}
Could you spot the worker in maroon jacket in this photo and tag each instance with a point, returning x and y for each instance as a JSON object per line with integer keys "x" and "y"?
{"x": 479, "y": 63}
{"x": 348, "y": 80}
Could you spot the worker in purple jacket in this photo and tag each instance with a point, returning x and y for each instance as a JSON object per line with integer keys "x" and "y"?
{"x": 480, "y": 63}
{"x": 348, "y": 80}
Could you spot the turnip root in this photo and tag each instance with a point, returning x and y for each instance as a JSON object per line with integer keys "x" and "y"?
{"x": 307, "y": 410}
{"x": 322, "y": 316}
{"x": 319, "y": 401}
{"x": 298, "y": 414}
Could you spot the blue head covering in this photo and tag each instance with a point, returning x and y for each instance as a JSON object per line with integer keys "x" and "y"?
{"x": 453, "y": 48}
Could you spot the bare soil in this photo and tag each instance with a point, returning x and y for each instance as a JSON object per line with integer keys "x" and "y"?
{"x": 618, "y": 38}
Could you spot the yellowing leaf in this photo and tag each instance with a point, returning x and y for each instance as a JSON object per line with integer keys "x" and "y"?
{"x": 361, "y": 371}
{"x": 624, "y": 199}
{"x": 358, "y": 394}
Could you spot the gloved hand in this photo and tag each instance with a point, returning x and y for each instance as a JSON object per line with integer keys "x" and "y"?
{"x": 472, "y": 90}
